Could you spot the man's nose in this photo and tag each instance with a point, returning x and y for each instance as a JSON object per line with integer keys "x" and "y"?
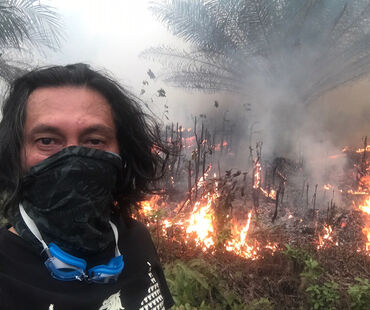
{"x": 72, "y": 142}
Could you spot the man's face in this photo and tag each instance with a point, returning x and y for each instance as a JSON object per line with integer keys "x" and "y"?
{"x": 58, "y": 117}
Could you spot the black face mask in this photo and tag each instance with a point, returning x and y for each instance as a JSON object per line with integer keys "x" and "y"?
{"x": 69, "y": 196}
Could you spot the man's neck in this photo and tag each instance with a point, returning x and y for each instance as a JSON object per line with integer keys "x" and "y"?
{"x": 11, "y": 229}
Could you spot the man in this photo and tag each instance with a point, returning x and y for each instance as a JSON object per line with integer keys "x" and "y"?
{"x": 76, "y": 153}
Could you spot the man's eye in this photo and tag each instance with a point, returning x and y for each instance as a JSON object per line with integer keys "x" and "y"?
{"x": 95, "y": 141}
{"x": 46, "y": 141}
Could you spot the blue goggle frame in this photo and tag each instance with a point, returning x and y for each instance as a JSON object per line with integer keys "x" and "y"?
{"x": 66, "y": 267}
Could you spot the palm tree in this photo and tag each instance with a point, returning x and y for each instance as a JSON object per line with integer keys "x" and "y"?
{"x": 301, "y": 48}
{"x": 25, "y": 25}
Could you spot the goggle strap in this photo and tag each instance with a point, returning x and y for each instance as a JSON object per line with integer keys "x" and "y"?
{"x": 115, "y": 231}
{"x": 32, "y": 226}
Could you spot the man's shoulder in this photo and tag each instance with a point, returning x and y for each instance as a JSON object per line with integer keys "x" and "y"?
{"x": 132, "y": 226}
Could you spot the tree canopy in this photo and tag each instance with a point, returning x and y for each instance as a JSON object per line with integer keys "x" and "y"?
{"x": 300, "y": 47}
{"x": 25, "y": 25}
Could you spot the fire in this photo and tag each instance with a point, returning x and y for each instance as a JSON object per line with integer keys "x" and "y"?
{"x": 200, "y": 223}
{"x": 269, "y": 194}
{"x": 239, "y": 243}
{"x": 199, "y": 226}
{"x": 366, "y": 230}
{"x": 327, "y": 187}
{"x": 356, "y": 192}
{"x": 362, "y": 150}
{"x": 336, "y": 156}
{"x": 189, "y": 142}
{"x": 149, "y": 206}
{"x": 326, "y": 239}
{"x": 257, "y": 175}
{"x": 218, "y": 146}
{"x": 366, "y": 207}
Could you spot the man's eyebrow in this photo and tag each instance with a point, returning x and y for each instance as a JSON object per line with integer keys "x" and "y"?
{"x": 43, "y": 128}
{"x": 102, "y": 129}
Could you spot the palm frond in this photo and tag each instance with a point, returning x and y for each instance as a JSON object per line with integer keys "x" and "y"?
{"x": 27, "y": 22}
{"x": 303, "y": 47}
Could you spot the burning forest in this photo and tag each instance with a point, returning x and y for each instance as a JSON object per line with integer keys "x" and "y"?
{"x": 261, "y": 209}
{"x": 269, "y": 221}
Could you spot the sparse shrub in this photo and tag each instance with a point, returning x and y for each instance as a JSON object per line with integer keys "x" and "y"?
{"x": 323, "y": 297}
{"x": 297, "y": 255}
{"x": 260, "y": 304}
{"x": 360, "y": 294}
{"x": 311, "y": 271}
{"x": 196, "y": 285}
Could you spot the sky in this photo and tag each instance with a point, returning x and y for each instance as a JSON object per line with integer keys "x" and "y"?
{"x": 110, "y": 35}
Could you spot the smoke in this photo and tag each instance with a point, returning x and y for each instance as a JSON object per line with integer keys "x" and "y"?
{"x": 284, "y": 104}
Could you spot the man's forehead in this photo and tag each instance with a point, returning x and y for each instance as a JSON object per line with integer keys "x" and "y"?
{"x": 67, "y": 106}
{"x": 66, "y": 98}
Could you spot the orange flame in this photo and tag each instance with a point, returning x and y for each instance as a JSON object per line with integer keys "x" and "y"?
{"x": 218, "y": 146}
{"x": 326, "y": 239}
{"x": 200, "y": 223}
{"x": 199, "y": 226}
{"x": 257, "y": 175}
{"x": 366, "y": 230}
{"x": 362, "y": 150}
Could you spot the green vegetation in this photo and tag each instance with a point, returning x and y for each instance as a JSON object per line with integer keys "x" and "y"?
{"x": 196, "y": 285}
{"x": 360, "y": 294}
{"x": 260, "y": 304}
{"x": 323, "y": 297}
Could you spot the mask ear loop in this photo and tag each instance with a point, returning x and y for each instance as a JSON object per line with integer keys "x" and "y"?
{"x": 33, "y": 228}
{"x": 115, "y": 232}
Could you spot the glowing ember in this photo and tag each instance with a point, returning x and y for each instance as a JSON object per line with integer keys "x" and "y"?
{"x": 218, "y": 146}
{"x": 356, "y": 192}
{"x": 362, "y": 150}
{"x": 336, "y": 156}
{"x": 327, "y": 187}
{"x": 269, "y": 194}
{"x": 189, "y": 142}
{"x": 257, "y": 175}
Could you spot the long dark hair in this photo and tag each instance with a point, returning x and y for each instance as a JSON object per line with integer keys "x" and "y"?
{"x": 137, "y": 133}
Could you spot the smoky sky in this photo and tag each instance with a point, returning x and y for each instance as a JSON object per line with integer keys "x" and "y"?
{"x": 111, "y": 35}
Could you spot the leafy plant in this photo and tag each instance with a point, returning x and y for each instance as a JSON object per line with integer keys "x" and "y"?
{"x": 260, "y": 304}
{"x": 323, "y": 297}
{"x": 312, "y": 270}
{"x": 360, "y": 294}
{"x": 196, "y": 285}
{"x": 297, "y": 255}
